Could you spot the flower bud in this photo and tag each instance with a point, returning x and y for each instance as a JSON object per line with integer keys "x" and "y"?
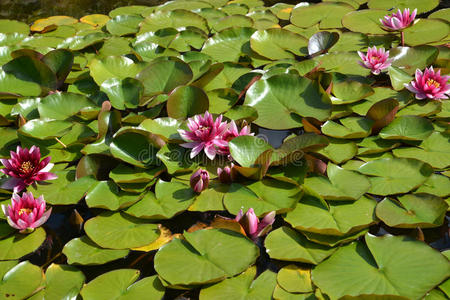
{"x": 251, "y": 224}
{"x": 226, "y": 174}
{"x": 199, "y": 180}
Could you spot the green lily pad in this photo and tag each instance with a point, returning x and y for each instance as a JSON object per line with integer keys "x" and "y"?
{"x": 411, "y": 128}
{"x": 221, "y": 100}
{"x": 277, "y": 43}
{"x": 11, "y": 85}
{"x": 339, "y": 150}
{"x": 164, "y": 127}
{"x": 398, "y": 78}
{"x": 244, "y": 286}
{"x": 443, "y": 14}
{"x": 341, "y": 184}
{"x": 228, "y": 44}
{"x": 169, "y": 199}
{"x": 375, "y": 144}
{"x": 64, "y": 190}
{"x": 328, "y": 15}
{"x": 205, "y": 256}
{"x": 125, "y": 93}
{"x": 351, "y": 267}
{"x": 232, "y": 21}
{"x": 421, "y": 109}
{"x": 409, "y": 59}
{"x": 62, "y": 281}
{"x": 105, "y": 194}
{"x": 178, "y": 18}
{"x": 349, "y": 91}
{"x": 333, "y": 240}
{"x": 402, "y": 4}
{"x": 164, "y": 75}
{"x": 438, "y": 185}
{"x": 281, "y": 99}
{"x": 18, "y": 245}
{"x": 122, "y": 285}
{"x": 61, "y": 106}
{"x": 426, "y": 31}
{"x": 124, "y": 24}
{"x": 246, "y": 149}
{"x": 13, "y": 26}
{"x": 140, "y": 153}
{"x": 210, "y": 199}
{"x": 119, "y": 67}
{"x": 31, "y": 69}
{"x": 342, "y": 62}
{"x": 120, "y": 231}
{"x": 21, "y": 280}
{"x": 411, "y": 211}
{"x": 351, "y": 128}
{"x": 365, "y": 21}
{"x": 320, "y": 42}
{"x": 433, "y": 150}
{"x": 387, "y": 179}
{"x": 289, "y": 245}
{"x": 80, "y": 42}
{"x": 295, "y": 279}
{"x": 187, "y": 101}
{"x": 312, "y": 214}
{"x": 83, "y": 251}
{"x": 263, "y": 196}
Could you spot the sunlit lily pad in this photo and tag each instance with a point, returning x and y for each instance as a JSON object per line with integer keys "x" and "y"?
{"x": 169, "y": 199}
{"x": 242, "y": 285}
{"x": 350, "y": 128}
{"x": 312, "y": 214}
{"x": 121, "y": 284}
{"x": 411, "y": 211}
{"x": 201, "y": 258}
{"x": 407, "y": 128}
{"x": 295, "y": 279}
{"x": 289, "y": 245}
{"x": 281, "y": 99}
{"x": 341, "y": 184}
{"x": 401, "y": 4}
{"x": 328, "y": 15}
{"x": 278, "y": 43}
{"x": 18, "y": 245}
{"x": 348, "y": 269}
{"x": 395, "y": 175}
{"x": 263, "y": 196}
{"x": 436, "y": 184}
{"x": 120, "y": 231}
{"x": 83, "y": 251}
{"x": 62, "y": 281}
{"x": 20, "y": 280}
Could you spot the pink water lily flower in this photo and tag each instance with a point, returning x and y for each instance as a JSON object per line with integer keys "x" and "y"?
{"x": 26, "y": 213}
{"x": 199, "y": 180}
{"x": 429, "y": 84}
{"x": 399, "y": 20}
{"x": 25, "y": 167}
{"x": 376, "y": 59}
{"x": 204, "y": 133}
{"x": 253, "y": 227}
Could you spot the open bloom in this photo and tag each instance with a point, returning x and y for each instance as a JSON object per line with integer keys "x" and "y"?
{"x": 376, "y": 59}
{"x": 199, "y": 180}
{"x": 204, "y": 134}
{"x": 26, "y": 213}
{"x": 253, "y": 227}
{"x": 429, "y": 84}
{"x": 399, "y": 20}
{"x": 25, "y": 167}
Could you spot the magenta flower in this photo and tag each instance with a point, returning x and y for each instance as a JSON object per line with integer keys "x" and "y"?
{"x": 204, "y": 134}
{"x": 226, "y": 174}
{"x": 399, "y": 20}
{"x": 376, "y": 60}
{"x": 26, "y": 213}
{"x": 429, "y": 84}
{"x": 251, "y": 224}
{"x": 199, "y": 180}
{"x": 231, "y": 133}
{"x": 25, "y": 167}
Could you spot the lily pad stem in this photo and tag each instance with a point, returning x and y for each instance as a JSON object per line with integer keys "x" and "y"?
{"x": 403, "y": 38}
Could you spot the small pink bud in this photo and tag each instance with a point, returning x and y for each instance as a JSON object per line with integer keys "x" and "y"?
{"x": 251, "y": 224}
{"x": 226, "y": 174}
{"x": 199, "y": 180}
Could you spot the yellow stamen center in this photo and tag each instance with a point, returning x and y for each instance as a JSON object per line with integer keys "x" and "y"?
{"x": 431, "y": 82}
{"x": 26, "y": 166}
{"x": 25, "y": 210}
